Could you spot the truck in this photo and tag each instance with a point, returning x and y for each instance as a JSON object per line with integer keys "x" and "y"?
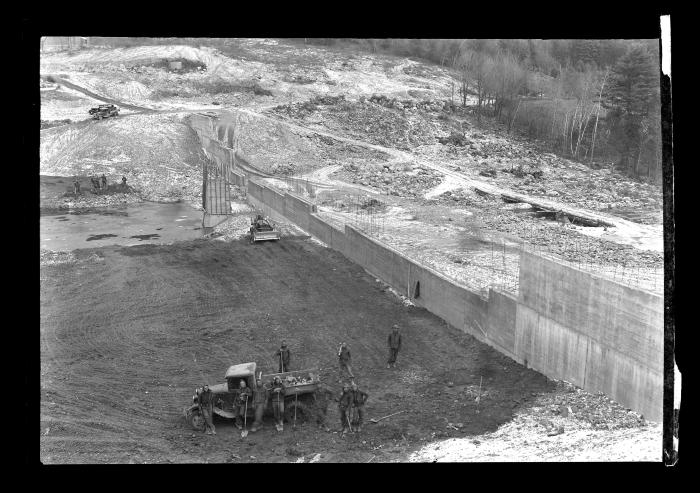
{"x": 301, "y": 393}
{"x": 104, "y": 111}
{"x": 261, "y": 229}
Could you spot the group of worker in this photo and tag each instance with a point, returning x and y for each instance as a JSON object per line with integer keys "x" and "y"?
{"x": 260, "y": 396}
{"x": 350, "y": 404}
{"x": 97, "y": 184}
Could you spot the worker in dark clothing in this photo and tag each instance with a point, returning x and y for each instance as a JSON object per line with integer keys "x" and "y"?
{"x": 345, "y": 360}
{"x": 124, "y": 182}
{"x": 394, "y": 342}
{"x": 277, "y": 395}
{"x": 358, "y": 401}
{"x": 240, "y": 403}
{"x": 103, "y": 182}
{"x": 283, "y": 357}
{"x": 76, "y": 186}
{"x": 344, "y": 405}
{"x": 259, "y": 402}
{"x": 95, "y": 184}
{"x": 206, "y": 404}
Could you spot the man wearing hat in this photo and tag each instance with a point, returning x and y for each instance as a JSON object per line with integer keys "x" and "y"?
{"x": 240, "y": 406}
{"x": 344, "y": 403}
{"x": 206, "y": 403}
{"x": 259, "y": 402}
{"x": 394, "y": 341}
{"x": 277, "y": 394}
{"x": 283, "y": 356}
{"x": 344, "y": 360}
{"x": 358, "y": 401}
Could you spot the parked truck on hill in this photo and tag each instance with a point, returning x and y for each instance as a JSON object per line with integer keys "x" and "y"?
{"x": 104, "y": 111}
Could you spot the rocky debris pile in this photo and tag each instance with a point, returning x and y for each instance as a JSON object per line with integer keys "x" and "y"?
{"x": 88, "y": 200}
{"x": 455, "y": 139}
{"x": 382, "y": 126}
{"x": 559, "y": 239}
{"x": 288, "y": 169}
{"x": 455, "y": 197}
{"x": 301, "y": 79}
{"x": 302, "y": 110}
{"x": 594, "y": 409}
{"x": 405, "y": 104}
{"x": 49, "y": 257}
{"x": 402, "y": 180}
{"x": 522, "y": 172}
{"x": 525, "y": 168}
{"x": 296, "y": 380}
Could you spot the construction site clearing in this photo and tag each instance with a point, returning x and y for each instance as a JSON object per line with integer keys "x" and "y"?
{"x": 127, "y": 332}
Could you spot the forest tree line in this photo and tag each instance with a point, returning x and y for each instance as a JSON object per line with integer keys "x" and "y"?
{"x": 596, "y": 101}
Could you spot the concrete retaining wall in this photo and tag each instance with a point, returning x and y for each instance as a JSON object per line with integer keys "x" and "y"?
{"x": 598, "y": 334}
{"x": 567, "y": 324}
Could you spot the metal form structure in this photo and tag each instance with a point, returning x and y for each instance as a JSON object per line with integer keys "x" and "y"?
{"x": 216, "y": 195}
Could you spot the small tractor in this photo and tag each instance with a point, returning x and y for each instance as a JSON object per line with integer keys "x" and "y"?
{"x": 104, "y": 111}
{"x": 262, "y": 229}
{"x": 303, "y": 398}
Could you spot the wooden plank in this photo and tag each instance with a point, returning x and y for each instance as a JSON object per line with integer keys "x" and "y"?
{"x": 545, "y": 205}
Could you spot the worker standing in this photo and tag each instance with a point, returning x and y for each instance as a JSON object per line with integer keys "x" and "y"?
{"x": 124, "y": 182}
{"x": 76, "y": 186}
{"x": 344, "y": 404}
{"x": 206, "y": 404}
{"x": 259, "y": 402}
{"x": 244, "y": 393}
{"x": 277, "y": 395}
{"x": 345, "y": 360}
{"x": 358, "y": 401}
{"x": 394, "y": 341}
{"x": 103, "y": 181}
{"x": 283, "y": 356}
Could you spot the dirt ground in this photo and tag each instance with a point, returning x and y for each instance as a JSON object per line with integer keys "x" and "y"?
{"x": 127, "y": 334}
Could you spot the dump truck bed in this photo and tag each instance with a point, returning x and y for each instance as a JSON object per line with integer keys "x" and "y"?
{"x": 266, "y": 235}
{"x": 296, "y": 385}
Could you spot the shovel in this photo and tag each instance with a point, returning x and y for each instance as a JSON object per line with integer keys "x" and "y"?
{"x": 244, "y": 433}
{"x": 373, "y": 420}
{"x": 296, "y": 402}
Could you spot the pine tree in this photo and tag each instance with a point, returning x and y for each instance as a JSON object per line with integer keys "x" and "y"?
{"x": 631, "y": 100}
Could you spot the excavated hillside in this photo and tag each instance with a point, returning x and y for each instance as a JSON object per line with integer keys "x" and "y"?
{"x": 380, "y": 146}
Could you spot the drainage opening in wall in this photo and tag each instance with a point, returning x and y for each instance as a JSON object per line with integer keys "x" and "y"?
{"x": 416, "y": 290}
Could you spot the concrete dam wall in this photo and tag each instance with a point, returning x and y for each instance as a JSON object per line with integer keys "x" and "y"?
{"x": 565, "y": 323}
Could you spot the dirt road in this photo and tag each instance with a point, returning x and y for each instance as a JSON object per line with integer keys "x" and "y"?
{"x": 128, "y": 332}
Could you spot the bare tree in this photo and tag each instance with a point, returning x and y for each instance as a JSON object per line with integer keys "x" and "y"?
{"x": 597, "y": 113}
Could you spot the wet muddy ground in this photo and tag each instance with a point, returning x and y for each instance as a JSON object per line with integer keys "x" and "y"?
{"x": 140, "y": 223}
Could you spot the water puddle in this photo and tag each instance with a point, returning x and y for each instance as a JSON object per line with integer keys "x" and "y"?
{"x": 99, "y": 237}
{"x": 146, "y": 237}
{"x": 131, "y": 225}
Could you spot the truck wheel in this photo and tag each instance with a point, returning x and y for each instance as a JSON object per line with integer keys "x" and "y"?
{"x": 304, "y": 412}
{"x": 196, "y": 420}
